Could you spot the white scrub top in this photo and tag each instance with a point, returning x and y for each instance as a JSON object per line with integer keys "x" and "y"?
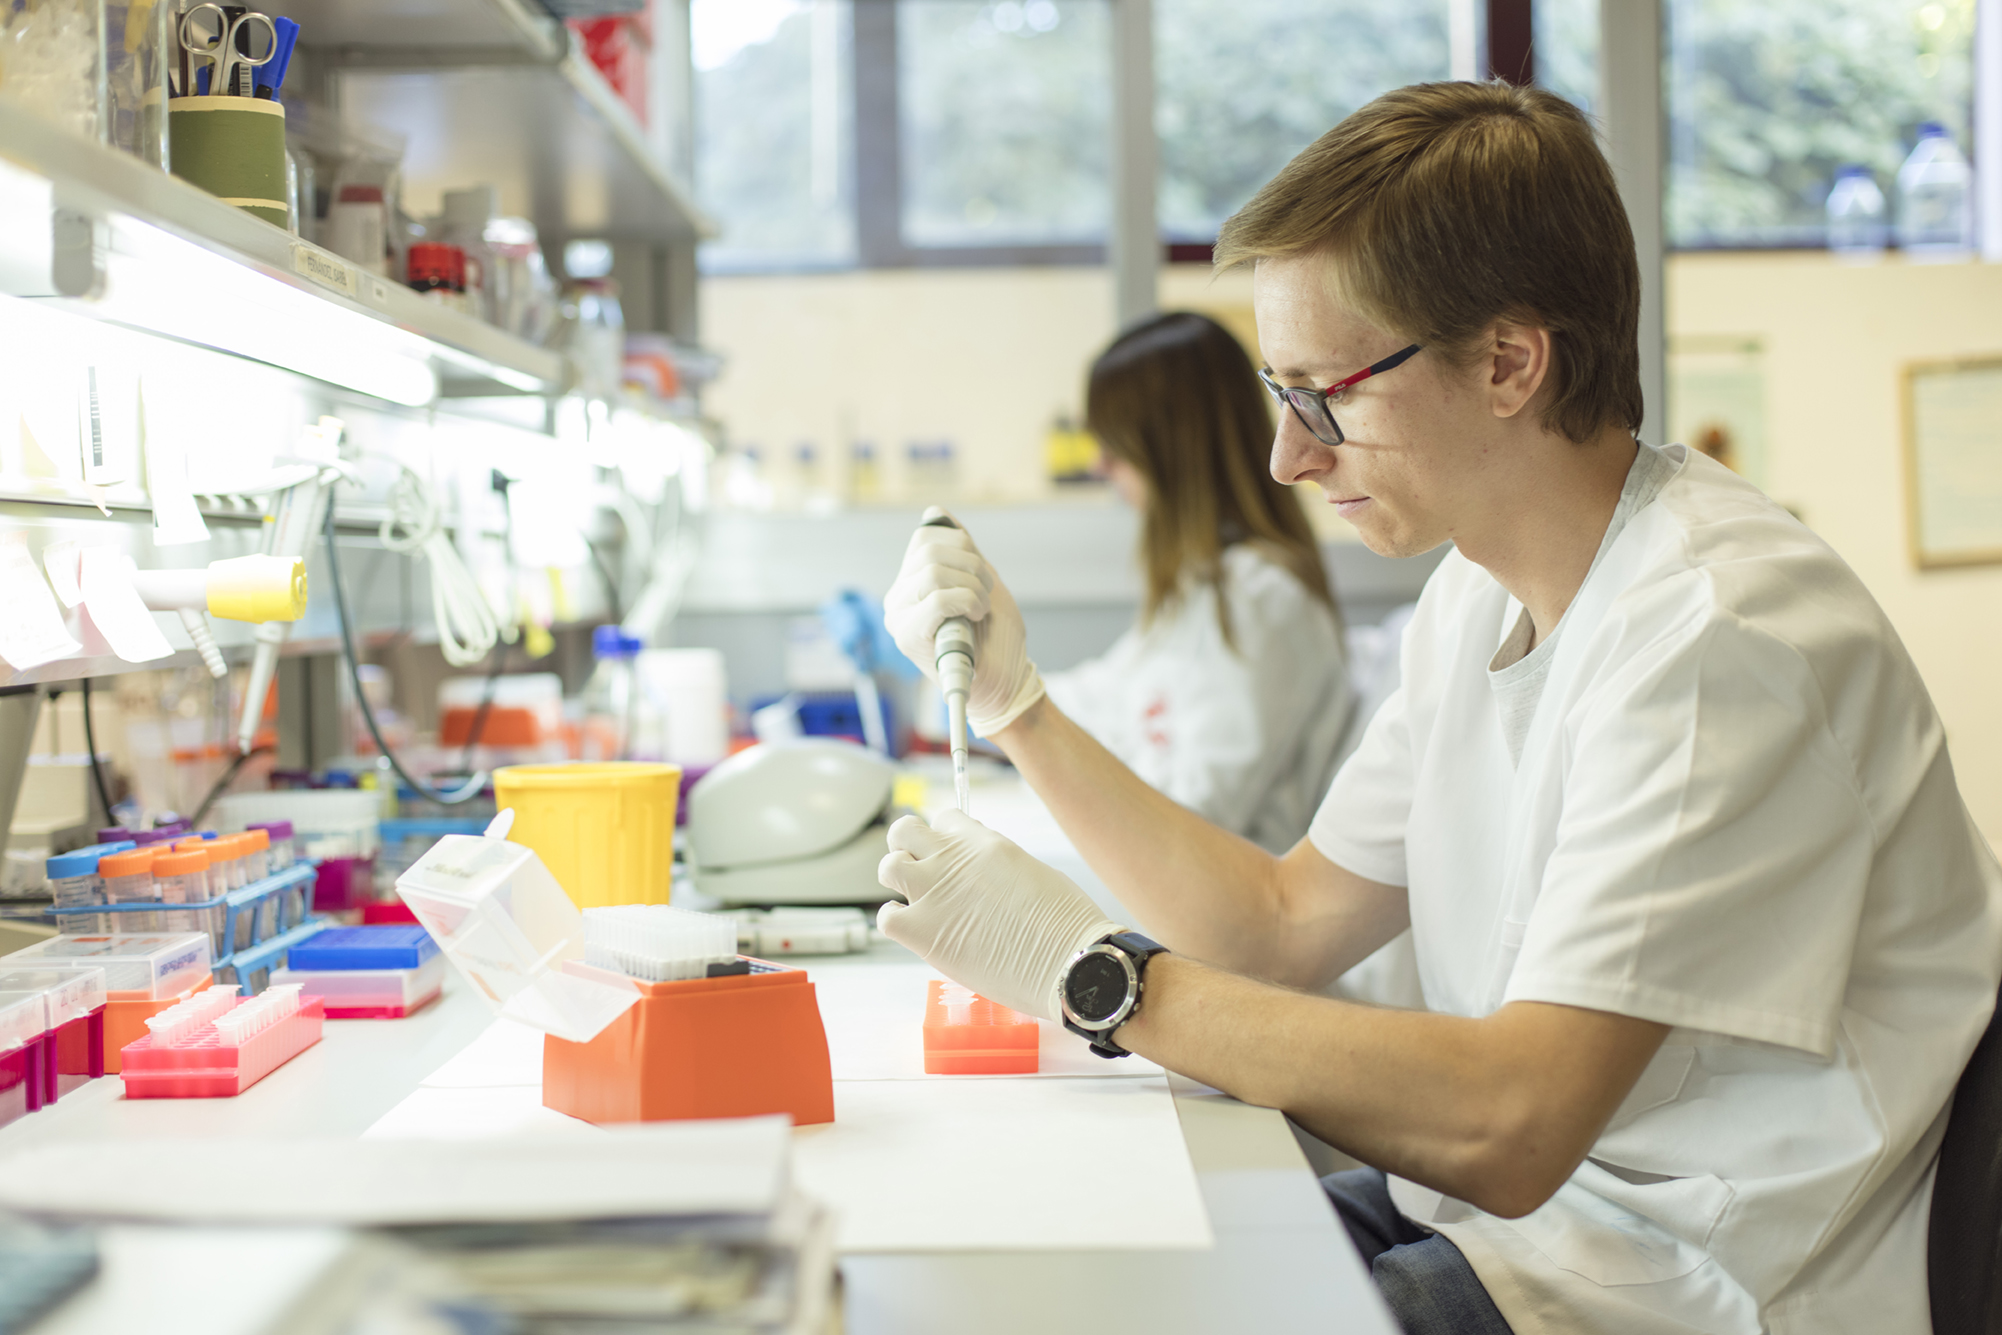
{"x": 1733, "y": 813}
{"x": 1246, "y": 737}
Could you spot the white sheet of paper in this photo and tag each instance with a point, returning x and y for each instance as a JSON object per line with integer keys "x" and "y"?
{"x": 664, "y": 1168}
{"x": 115, "y": 608}
{"x": 999, "y": 1165}
{"x": 505, "y": 1055}
{"x": 475, "y": 1113}
{"x": 176, "y": 517}
{"x": 31, "y": 625}
{"x": 875, "y": 1015}
{"x": 64, "y": 562}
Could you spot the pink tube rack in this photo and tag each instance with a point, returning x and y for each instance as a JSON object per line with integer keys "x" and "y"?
{"x": 202, "y": 1065}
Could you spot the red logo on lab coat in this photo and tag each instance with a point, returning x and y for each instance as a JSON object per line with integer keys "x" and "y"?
{"x": 1154, "y": 722}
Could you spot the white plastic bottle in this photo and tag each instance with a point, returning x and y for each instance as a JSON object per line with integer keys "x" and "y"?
{"x": 1935, "y": 199}
{"x": 1857, "y": 225}
{"x": 609, "y": 696}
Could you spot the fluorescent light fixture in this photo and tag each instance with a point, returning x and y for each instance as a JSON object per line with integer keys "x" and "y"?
{"x": 494, "y": 371}
{"x": 158, "y": 282}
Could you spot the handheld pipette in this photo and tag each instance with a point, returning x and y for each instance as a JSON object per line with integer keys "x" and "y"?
{"x": 954, "y": 648}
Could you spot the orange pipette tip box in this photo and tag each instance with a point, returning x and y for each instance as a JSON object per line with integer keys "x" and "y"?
{"x": 736, "y": 1046}
{"x": 966, "y": 1034}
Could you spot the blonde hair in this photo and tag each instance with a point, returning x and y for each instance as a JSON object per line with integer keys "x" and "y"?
{"x": 1444, "y": 207}
{"x": 1176, "y": 398}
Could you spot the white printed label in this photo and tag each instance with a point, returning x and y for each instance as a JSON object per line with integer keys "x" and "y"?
{"x": 325, "y": 270}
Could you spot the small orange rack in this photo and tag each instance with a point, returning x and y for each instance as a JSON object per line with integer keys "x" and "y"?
{"x": 966, "y": 1034}
{"x": 739, "y": 1045}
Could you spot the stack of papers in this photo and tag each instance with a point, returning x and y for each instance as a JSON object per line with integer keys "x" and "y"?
{"x": 690, "y": 1226}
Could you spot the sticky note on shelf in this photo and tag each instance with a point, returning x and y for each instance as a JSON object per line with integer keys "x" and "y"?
{"x": 64, "y": 562}
{"x": 115, "y": 609}
{"x": 31, "y": 625}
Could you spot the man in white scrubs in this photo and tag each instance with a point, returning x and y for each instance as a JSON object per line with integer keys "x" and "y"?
{"x": 1706, "y": 933}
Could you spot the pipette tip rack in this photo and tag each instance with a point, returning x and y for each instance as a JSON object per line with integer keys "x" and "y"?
{"x": 217, "y": 1044}
{"x": 966, "y": 1034}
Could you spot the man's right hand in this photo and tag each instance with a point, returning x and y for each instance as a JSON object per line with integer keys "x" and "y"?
{"x": 944, "y": 575}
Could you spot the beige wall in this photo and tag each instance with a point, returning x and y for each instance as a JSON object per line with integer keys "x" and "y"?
{"x": 1835, "y": 338}
{"x": 987, "y": 358}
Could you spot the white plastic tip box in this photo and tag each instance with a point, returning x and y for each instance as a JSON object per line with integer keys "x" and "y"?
{"x": 504, "y": 922}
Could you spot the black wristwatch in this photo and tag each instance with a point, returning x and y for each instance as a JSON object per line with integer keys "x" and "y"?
{"x": 1103, "y": 986}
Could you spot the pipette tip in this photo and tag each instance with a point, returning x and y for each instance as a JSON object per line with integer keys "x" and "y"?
{"x": 959, "y": 784}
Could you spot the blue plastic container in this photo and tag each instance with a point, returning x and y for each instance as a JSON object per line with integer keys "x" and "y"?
{"x": 383, "y": 946}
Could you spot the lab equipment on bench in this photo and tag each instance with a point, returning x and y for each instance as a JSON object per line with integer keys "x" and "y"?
{"x": 143, "y": 975}
{"x": 380, "y": 972}
{"x": 731, "y": 1045}
{"x": 216, "y": 1045}
{"x": 802, "y": 931}
{"x": 27, "y": 1055}
{"x": 799, "y": 822}
{"x": 507, "y": 925}
{"x": 76, "y": 999}
{"x": 954, "y": 648}
{"x": 604, "y": 830}
{"x": 618, "y": 1049}
{"x": 658, "y": 943}
{"x": 966, "y": 1034}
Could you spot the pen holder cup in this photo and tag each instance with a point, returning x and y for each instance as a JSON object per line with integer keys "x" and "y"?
{"x": 738, "y": 1046}
{"x": 234, "y": 148}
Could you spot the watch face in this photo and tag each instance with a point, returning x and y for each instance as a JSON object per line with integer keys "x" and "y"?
{"x": 1096, "y": 987}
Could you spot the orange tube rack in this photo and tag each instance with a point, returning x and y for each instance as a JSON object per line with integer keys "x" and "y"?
{"x": 966, "y": 1034}
{"x": 735, "y": 1046}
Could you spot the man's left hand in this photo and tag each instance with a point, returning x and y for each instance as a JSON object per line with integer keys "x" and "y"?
{"x": 985, "y": 913}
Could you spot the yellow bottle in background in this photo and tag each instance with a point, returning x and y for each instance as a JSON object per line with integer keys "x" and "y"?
{"x": 1070, "y": 454}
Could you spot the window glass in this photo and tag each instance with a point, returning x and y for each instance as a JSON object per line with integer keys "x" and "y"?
{"x": 1767, "y": 101}
{"x": 774, "y": 132}
{"x": 1566, "y": 48}
{"x": 1241, "y": 86}
{"x": 1005, "y": 119}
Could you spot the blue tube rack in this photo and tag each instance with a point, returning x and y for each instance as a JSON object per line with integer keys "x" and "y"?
{"x": 291, "y": 921}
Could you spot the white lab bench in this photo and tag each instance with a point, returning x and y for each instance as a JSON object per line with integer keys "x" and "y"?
{"x": 1281, "y": 1261}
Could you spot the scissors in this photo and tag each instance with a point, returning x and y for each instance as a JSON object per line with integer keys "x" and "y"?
{"x": 230, "y": 47}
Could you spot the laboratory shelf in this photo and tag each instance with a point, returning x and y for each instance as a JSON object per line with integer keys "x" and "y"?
{"x": 88, "y": 180}
{"x": 497, "y": 91}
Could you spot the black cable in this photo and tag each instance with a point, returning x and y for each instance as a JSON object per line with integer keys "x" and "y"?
{"x": 474, "y": 785}
{"x": 221, "y": 784}
{"x": 96, "y": 770}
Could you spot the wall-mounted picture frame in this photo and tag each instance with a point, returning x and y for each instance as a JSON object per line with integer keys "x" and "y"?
{"x": 1952, "y": 413}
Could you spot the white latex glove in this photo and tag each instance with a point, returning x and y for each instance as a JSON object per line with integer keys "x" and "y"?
{"x": 984, "y": 913}
{"x": 944, "y": 575}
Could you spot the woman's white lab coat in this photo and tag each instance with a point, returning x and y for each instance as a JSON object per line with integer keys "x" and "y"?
{"x": 1247, "y": 737}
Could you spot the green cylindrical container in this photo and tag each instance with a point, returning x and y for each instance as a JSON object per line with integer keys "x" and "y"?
{"x": 234, "y": 148}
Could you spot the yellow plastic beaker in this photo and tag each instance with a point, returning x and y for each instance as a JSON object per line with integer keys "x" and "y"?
{"x": 605, "y": 830}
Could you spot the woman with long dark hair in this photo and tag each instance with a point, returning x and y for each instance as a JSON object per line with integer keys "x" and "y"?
{"x": 1229, "y": 694}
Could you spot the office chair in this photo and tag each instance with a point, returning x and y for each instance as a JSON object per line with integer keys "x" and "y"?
{"x": 1964, "y": 1243}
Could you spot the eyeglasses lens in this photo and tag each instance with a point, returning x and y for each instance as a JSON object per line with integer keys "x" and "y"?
{"x": 1312, "y": 410}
